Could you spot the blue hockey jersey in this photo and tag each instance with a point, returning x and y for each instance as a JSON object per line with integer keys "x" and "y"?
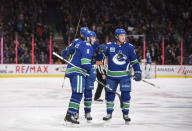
{"x": 81, "y": 57}
{"x": 120, "y": 60}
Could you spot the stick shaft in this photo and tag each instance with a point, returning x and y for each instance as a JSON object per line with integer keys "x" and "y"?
{"x": 152, "y": 84}
{"x": 78, "y": 22}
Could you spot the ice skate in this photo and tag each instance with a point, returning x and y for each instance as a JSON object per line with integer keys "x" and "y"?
{"x": 108, "y": 117}
{"x": 76, "y": 116}
{"x": 126, "y": 118}
{"x": 98, "y": 100}
{"x": 71, "y": 119}
{"x": 88, "y": 116}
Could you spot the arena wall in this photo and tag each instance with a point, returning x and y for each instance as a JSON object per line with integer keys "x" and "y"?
{"x": 54, "y": 70}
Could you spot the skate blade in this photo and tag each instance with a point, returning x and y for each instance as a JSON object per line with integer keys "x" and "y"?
{"x": 95, "y": 124}
{"x": 89, "y": 121}
{"x": 107, "y": 123}
{"x": 70, "y": 124}
{"x": 127, "y": 122}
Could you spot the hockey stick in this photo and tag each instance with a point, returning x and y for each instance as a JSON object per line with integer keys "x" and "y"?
{"x": 145, "y": 81}
{"x": 85, "y": 72}
{"x": 152, "y": 84}
{"x": 75, "y": 36}
{"x": 78, "y": 22}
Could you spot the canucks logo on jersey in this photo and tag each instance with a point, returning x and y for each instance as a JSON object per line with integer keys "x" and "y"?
{"x": 120, "y": 58}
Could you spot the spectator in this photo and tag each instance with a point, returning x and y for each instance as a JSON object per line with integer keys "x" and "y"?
{"x": 171, "y": 20}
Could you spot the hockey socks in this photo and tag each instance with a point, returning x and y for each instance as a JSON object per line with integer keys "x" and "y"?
{"x": 110, "y": 106}
{"x": 73, "y": 108}
{"x": 87, "y": 108}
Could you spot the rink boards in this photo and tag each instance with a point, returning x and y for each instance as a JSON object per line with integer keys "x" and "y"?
{"x": 58, "y": 70}
{"x": 32, "y": 70}
{"x": 166, "y": 71}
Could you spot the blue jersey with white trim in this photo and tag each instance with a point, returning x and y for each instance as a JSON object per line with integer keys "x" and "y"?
{"x": 81, "y": 57}
{"x": 120, "y": 60}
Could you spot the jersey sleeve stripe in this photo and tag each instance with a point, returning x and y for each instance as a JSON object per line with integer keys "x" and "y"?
{"x": 134, "y": 62}
{"x": 118, "y": 73}
{"x": 85, "y": 61}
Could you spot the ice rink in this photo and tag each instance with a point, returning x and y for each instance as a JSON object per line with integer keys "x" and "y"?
{"x": 39, "y": 104}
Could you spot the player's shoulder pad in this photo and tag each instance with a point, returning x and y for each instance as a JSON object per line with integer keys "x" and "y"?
{"x": 79, "y": 43}
{"x": 109, "y": 43}
{"x": 130, "y": 45}
{"x": 88, "y": 44}
{"x": 84, "y": 43}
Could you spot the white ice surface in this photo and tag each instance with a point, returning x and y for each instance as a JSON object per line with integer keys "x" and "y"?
{"x": 39, "y": 104}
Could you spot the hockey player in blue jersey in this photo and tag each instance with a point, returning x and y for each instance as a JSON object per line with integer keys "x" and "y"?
{"x": 69, "y": 51}
{"x": 121, "y": 57}
{"x": 82, "y": 58}
{"x": 90, "y": 82}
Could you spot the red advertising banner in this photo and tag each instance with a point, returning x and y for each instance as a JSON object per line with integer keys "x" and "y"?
{"x": 32, "y": 50}
{"x": 16, "y": 50}
{"x": 1, "y": 45}
{"x": 163, "y": 52}
{"x": 50, "y": 50}
{"x": 144, "y": 49}
{"x": 181, "y": 58}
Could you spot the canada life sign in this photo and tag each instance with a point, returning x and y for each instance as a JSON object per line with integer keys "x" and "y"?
{"x": 173, "y": 71}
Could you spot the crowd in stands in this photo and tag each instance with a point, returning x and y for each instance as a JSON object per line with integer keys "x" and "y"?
{"x": 20, "y": 19}
{"x": 154, "y": 19}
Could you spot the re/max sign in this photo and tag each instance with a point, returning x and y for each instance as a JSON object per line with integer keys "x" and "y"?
{"x": 31, "y": 69}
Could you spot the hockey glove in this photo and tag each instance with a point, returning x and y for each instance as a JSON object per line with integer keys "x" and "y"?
{"x": 64, "y": 53}
{"x": 67, "y": 52}
{"x": 92, "y": 74}
{"x": 102, "y": 48}
{"x": 137, "y": 76}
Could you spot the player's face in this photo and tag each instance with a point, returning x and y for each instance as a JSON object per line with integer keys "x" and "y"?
{"x": 121, "y": 38}
{"x": 92, "y": 39}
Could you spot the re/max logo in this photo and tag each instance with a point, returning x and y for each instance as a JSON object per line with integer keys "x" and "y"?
{"x": 31, "y": 69}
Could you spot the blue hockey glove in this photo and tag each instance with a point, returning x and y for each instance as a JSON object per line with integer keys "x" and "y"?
{"x": 102, "y": 48}
{"x": 137, "y": 76}
{"x": 65, "y": 54}
{"x": 92, "y": 74}
{"x": 71, "y": 49}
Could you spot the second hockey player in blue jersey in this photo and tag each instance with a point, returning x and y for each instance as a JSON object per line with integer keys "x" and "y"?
{"x": 121, "y": 58}
{"x": 81, "y": 58}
